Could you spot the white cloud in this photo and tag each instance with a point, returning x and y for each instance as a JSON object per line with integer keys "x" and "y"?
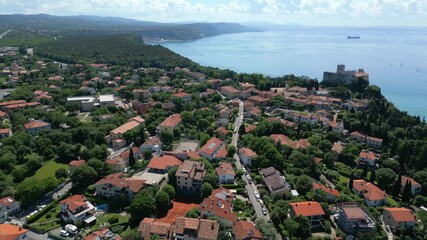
{"x": 331, "y": 12}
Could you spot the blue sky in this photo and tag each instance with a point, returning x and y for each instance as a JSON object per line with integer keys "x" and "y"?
{"x": 307, "y": 12}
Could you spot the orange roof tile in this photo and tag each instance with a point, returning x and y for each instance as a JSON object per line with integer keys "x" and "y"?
{"x": 225, "y": 168}
{"x": 244, "y": 230}
{"x": 329, "y": 191}
{"x": 77, "y": 163}
{"x": 172, "y": 121}
{"x": 35, "y": 124}
{"x": 164, "y": 162}
{"x": 5, "y": 131}
{"x": 401, "y": 214}
{"x": 219, "y": 208}
{"x": 212, "y": 146}
{"x": 7, "y": 201}
{"x": 126, "y": 127}
{"x": 371, "y": 191}
{"x": 404, "y": 179}
{"x": 307, "y": 208}
{"x": 247, "y": 152}
{"x": 11, "y": 232}
{"x": 133, "y": 184}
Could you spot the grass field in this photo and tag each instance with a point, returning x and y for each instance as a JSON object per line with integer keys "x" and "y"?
{"x": 49, "y": 169}
{"x": 105, "y": 218}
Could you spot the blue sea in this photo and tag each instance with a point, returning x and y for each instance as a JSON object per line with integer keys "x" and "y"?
{"x": 395, "y": 58}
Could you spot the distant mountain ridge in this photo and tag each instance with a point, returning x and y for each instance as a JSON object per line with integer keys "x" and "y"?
{"x": 147, "y": 29}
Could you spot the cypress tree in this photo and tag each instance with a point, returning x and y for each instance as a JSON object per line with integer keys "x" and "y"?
{"x": 365, "y": 171}
{"x": 242, "y": 130}
{"x": 350, "y": 182}
{"x": 396, "y": 186}
{"x": 131, "y": 157}
{"x": 373, "y": 176}
{"x": 407, "y": 193}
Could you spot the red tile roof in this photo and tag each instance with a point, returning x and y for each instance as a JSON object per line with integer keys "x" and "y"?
{"x": 11, "y": 232}
{"x": 244, "y": 230}
{"x": 163, "y": 162}
{"x": 126, "y": 127}
{"x": 35, "y": 124}
{"x": 405, "y": 178}
{"x": 371, "y": 191}
{"x": 191, "y": 169}
{"x": 172, "y": 121}
{"x": 150, "y": 226}
{"x": 103, "y": 234}
{"x": 285, "y": 140}
{"x": 7, "y": 201}
{"x": 401, "y": 214}
{"x": 181, "y": 95}
{"x": 192, "y": 154}
{"x": 367, "y": 155}
{"x": 219, "y": 208}
{"x": 329, "y": 191}
{"x": 247, "y": 152}
{"x": 74, "y": 202}
{"x": 225, "y": 168}
{"x": 212, "y": 146}
{"x": 307, "y": 208}
{"x": 5, "y": 131}
{"x": 133, "y": 184}
{"x": 205, "y": 229}
{"x": 77, "y": 163}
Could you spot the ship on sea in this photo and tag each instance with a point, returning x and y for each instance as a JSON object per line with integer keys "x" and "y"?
{"x": 353, "y": 37}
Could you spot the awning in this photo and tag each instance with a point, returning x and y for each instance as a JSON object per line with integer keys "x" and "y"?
{"x": 90, "y": 219}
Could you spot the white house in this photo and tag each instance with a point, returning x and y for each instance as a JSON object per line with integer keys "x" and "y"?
{"x": 34, "y": 127}
{"x": 398, "y": 218}
{"x": 246, "y": 155}
{"x": 415, "y": 186}
{"x": 76, "y": 209}
{"x": 225, "y": 172}
{"x": 12, "y": 206}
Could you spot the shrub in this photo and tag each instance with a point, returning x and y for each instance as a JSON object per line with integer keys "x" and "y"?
{"x": 113, "y": 219}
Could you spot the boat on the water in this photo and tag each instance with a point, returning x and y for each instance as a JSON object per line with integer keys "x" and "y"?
{"x": 353, "y": 37}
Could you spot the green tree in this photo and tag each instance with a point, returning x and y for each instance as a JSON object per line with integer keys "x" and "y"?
{"x": 171, "y": 176}
{"x": 373, "y": 176}
{"x": 167, "y": 137}
{"x": 203, "y": 124}
{"x": 82, "y": 177}
{"x": 291, "y": 227}
{"x": 193, "y": 213}
{"x": 142, "y": 206}
{"x": 206, "y": 189}
{"x": 304, "y": 227}
{"x": 407, "y": 192}
{"x": 350, "y": 182}
{"x": 212, "y": 179}
{"x": 231, "y": 150}
{"x": 170, "y": 190}
{"x": 162, "y": 201}
{"x": 386, "y": 177}
{"x": 396, "y": 186}
{"x": 61, "y": 173}
{"x": 267, "y": 229}
{"x": 330, "y": 158}
{"x": 131, "y": 157}
{"x": 303, "y": 184}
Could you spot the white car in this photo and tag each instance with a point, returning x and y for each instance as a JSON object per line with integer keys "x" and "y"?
{"x": 64, "y": 233}
{"x": 264, "y": 211}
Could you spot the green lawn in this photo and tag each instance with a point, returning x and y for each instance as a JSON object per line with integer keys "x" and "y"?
{"x": 49, "y": 169}
{"x": 344, "y": 179}
{"x": 2, "y": 80}
{"x": 422, "y": 215}
{"x": 48, "y": 221}
{"x": 391, "y": 202}
{"x": 105, "y": 219}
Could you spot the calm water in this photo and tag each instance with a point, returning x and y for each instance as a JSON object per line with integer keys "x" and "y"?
{"x": 396, "y": 59}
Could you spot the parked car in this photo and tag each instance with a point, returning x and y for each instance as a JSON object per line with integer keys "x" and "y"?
{"x": 264, "y": 211}
{"x": 71, "y": 229}
{"x": 64, "y": 233}
{"x": 249, "y": 181}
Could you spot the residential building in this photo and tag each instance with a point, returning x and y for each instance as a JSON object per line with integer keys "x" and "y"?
{"x": 351, "y": 219}
{"x": 258, "y": 100}
{"x": 415, "y": 186}
{"x": 253, "y": 112}
{"x": 170, "y": 123}
{"x": 372, "y": 194}
{"x": 11, "y": 205}
{"x": 3, "y": 214}
{"x": 246, "y": 86}
{"x": 89, "y": 103}
{"x": 194, "y": 229}
{"x": 223, "y": 194}
{"x": 245, "y": 230}
{"x": 162, "y": 164}
{"x": 126, "y": 154}
{"x": 103, "y": 234}
{"x": 225, "y": 173}
{"x": 337, "y": 147}
{"x": 374, "y": 142}
{"x": 212, "y": 206}
{"x": 230, "y": 92}
{"x": 5, "y": 132}
{"x": 312, "y": 210}
{"x": 117, "y": 164}
{"x": 331, "y": 193}
{"x": 34, "y": 127}
{"x": 115, "y": 184}
{"x": 221, "y": 132}
{"x": 12, "y": 232}
{"x": 185, "y": 97}
{"x": 3, "y": 115}
{"x": 76, "y": 209}
{"x": 274, "y": 181}
{"x": 190, "y": 176}
{"x": 398, "y": 218}
{"x": 154, "y": 144}
{"x": 75, "y": 164}
{"x": 116, "y": 136}
{"x": 150, "y": 227}
{"x": 368, "y": 157}
{"x": 141, "y": 94}
{"x": 285, "y": 140}
{"x": 246, "y": 155}
{"x": 213, "y": 149}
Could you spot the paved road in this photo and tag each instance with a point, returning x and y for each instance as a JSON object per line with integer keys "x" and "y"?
{"x": 5, "y": 33}
{"x": 250, "y": 188}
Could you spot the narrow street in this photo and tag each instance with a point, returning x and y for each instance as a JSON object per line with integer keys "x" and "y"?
{"x": 250, "y": 188}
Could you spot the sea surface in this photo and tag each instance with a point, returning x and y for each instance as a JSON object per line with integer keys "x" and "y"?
{"x": 395, "y": 58}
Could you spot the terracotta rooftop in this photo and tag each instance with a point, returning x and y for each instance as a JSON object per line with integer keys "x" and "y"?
{"x": 172, "y": 121}
{"x": 404, "y": 179}
{"x": 285, "y": 140}
{"x": 7, "y": 201}
{"x": 153, "y": 141}
{"x": 77, "y": 163}
{"x": 219, "y": 208}
{"x": 150, "y": 226}
{"x": 131, "y": 124}
{"x": 212, "y": 146}
{"x": 401, "y": 214}
{"x": 5, "y": 131}
{"x": 247, "y": 152}
{"x": 225, "y": 168}
{"x": 329, "y": 191}
{"x": 354, "y": 213}
{"x": 191, "y": 169}
{"x": 181, "y": 95}
{"x": 74, "y": 202}
{"x": 119, "y": 181}
{"x": 244, "y": 230}
{"x": 307, "y": 208}
{"x": 205, "y": 229}
{"x": 371, "y": 191}
{"x": 104, "y": 233}
{"x": 11, "y": 232}
{"x": 163, "y": 162}
{"x": 367, "y": 155}
{"x": 35, "y": 124}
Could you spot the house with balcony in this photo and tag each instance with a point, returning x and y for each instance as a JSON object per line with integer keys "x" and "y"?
{"x": 190, "y": 176}
{"x": 162, "y": 164}
{"x": 352, "y": 218}
{"x": 170, "y": 123}
{"x": 311, "y": 209}
{"x": 116, "y": 138}
{"x": 34, "y": 127}
{"x": 368, "y": 157}
{"x": 372, "y": 194}
{"x": 213, "y": 149}
{"x": 225, "y": 173}
{"x": 11, "y": 205}
{"x": 212, "y": 206}
{"x": 76, "y": 209}
{"x": 113, "y": 185}
{"x": 246, "y": 155}
{"x": 398, "y": 218}
{"x": 415, "y": 186}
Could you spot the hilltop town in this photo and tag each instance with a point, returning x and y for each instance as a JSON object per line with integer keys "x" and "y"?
{"x": 104, "y": 151}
